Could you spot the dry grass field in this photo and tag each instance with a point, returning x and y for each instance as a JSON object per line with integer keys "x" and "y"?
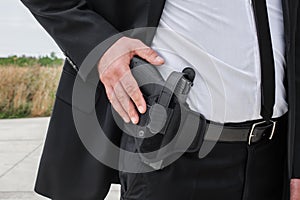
{"x": 27, "y": 91}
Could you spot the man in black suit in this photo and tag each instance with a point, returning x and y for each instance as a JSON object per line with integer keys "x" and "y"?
{"x": 68, "y": 171}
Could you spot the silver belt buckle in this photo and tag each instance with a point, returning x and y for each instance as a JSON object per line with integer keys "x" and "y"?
{"x": 251, "y": 135}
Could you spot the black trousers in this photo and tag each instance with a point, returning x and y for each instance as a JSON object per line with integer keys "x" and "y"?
{"x": 231, "y": 171}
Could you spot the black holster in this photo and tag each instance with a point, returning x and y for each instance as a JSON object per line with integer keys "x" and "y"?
{"x": 169, "y": 126}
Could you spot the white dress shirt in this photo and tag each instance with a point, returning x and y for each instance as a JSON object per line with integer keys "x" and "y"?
{"x": 225, "y": 34}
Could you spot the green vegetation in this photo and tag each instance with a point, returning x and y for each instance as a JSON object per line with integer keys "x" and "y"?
{"x": 28, "y": 85}
{"x": 27, "y": 61}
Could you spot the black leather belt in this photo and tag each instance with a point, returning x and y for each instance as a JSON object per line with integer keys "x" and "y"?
{"x": 250, "y": 132}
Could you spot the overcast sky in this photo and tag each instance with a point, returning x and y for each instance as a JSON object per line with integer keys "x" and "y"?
{"x": 21, "y": 34}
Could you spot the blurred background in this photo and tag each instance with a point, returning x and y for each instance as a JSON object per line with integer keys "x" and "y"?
{"x": 21, "y": 34}
{"x": 30, "y": 67}
{"x": 30, "y": 64}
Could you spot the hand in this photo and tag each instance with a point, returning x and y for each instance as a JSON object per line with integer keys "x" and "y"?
{"x": 295, "y": 189}
{"x": 121, "y": 88}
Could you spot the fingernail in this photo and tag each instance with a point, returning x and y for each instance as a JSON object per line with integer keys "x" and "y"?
{"x": 134, "y": 120}
{"x": 159, "y": 59}
{"x": 126, "y": 119}
{"x": 141, "y": 109}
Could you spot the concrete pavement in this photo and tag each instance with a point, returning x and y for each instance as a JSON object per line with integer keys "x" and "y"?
{"x": 21, "y": 143}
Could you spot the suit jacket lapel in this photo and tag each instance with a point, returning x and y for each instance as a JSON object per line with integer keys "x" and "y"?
{"x": 155, "y": 10}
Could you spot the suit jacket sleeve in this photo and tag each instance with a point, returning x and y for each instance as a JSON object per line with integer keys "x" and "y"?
{"x": 296, "y": 167}
{"x": 75, "y": 27}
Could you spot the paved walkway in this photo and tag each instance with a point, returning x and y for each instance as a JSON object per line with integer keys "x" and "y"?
{"x": 21, "y": 143}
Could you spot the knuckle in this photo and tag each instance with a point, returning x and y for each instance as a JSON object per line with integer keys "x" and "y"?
{"x": 122, "y": 98}
{"x": 137, "y": 44}
{"x": 131, "y": 89}
{"x": 118, "y": 71}
{"x": 123, "y": 38}
{"x": 116, "y": 87}
{"x": 137, "y": 98}
{"x": 112, "y": 74}
{"x": 148, "y": 51}
{"x": 136, "y": 40}
{"x": 153, "y": 53}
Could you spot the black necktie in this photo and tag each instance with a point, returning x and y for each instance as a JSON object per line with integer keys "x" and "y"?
{"x": 266, "y": 58}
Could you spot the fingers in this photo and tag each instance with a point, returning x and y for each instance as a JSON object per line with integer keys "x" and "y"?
{"x": 116, "y": 104}
{"x": 126, "y": 102}
{"x": 123, "y": 92}
{"x": 121, "y": 87}
{"x": 132, "y": 89}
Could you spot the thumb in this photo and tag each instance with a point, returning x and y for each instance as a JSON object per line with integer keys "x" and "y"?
{"x": 149, "y": 54}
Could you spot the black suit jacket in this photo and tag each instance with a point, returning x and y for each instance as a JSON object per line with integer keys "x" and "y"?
{"x": 67, "y": 170}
